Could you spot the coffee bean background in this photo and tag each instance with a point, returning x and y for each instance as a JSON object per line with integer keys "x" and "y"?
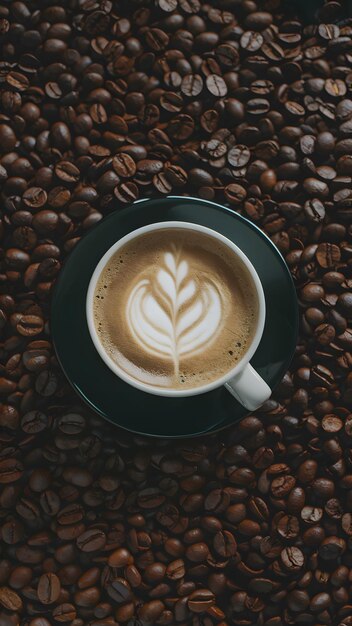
{"x": 234, "y": 101}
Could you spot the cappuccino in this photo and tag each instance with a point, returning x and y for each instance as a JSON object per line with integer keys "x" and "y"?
{"x": 175, "y": 308}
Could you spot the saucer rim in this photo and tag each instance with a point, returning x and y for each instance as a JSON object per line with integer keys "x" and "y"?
{"x": 224, "y": 423}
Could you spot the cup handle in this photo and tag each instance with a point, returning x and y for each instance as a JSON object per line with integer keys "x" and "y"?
{"x": 249, "y": 388}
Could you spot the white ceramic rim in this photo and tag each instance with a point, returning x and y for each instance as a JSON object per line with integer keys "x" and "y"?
{"x": 167, "y": 391}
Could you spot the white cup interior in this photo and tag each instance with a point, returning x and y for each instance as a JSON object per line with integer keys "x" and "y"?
{"x": 160, "y": 391}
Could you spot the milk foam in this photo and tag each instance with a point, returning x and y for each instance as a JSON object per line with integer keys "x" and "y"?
{"x": 170, "y": 315}
{"x": 175, "y": 309}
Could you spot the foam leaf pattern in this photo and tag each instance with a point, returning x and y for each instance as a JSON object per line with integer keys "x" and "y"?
{"x": 173, "y": 314}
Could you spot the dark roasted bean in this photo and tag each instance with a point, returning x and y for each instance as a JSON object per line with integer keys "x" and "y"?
{"x": 91, "y": 540}
{"x": 244, "y": 104}
{"x": 48, "y": 588}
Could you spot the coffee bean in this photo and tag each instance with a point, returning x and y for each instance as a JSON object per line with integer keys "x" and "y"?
{"x": 49, "y": 502}
{"x": 52, "y": 90}
{"x": 10, "y": 470}
{"x": 151, "y": 611}
{"x": 12, "y": 533}
{"x": 120, "y": 558}
{"x": 48, "y": 588}
{"x": 10, "y": 600}
{"x": 298, "y": 600}
{"x": 235, "y": 194}
{"x": 314, "y": 210}
{"x": 328, "y": 255}
{"x": 176, "y": 175}
{"x": 238, "y": 156}
{"x": 157, "y": 39}
{"x": 124, "y": 165}
{"x": 346, "y": 523}
{"x": 161, "y": 183}
{"x": 176, "y": 569}
{"x": 150, "y": 498}
{"x": 30, "y": 325}
{"x": 126, "y": 192}
{"x": 45, "y": 222}
{"x": 201, "y": 600}
{"x": 20, "y": 577}
{"x": 89, "y": 578}
{"x": 335, "y": 87}
{"x": 324, "y": 488}
{"x": 292, "y": 558}
{"x": 282, "y": 485}
{"x": 328, "y": 31}
{"x": 167, "y": 5}
{"x": 288, "y": 527}
{"x": 171, "y": 102}
{"x": 40, "y": 480}
{"x": 307, "y": 471}
{"x": 225, "y": 544}
{"x": 67, "y": 171}
{"x": 87, "y": 598}
{"x": 311, "y": 514}
{"x": 119, "y": 590}
{"x": 72, "y": 423}
{"x": 192, "y": 85}
{"x": 216, "y": 85}
{"x": 65, "y": 612}
{"x": 46, "y": 383}
{"x": 7, "y": 137}
{"x": 91, "y": 540}
{"x": 35, "y": 197}
{"x": 70, "y": 514}
{"x": 251, "y": 41}
{"x": 34, "y": 422}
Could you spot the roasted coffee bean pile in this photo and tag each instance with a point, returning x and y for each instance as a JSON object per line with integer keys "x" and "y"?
{"x": 103, "y": 102}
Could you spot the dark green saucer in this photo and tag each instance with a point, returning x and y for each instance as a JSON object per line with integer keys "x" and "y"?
{"x": 142, "y": 412}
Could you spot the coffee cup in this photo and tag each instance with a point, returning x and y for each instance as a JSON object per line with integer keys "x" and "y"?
{"x": 176, "y": 309}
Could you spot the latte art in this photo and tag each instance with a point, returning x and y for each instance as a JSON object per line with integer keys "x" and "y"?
{"x": 175, "y": 308}
{"x": 170, "y": 315}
